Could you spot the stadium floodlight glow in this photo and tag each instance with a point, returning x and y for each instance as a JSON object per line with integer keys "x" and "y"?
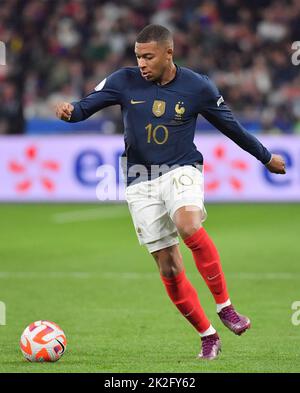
{"x": 2, "y": 53}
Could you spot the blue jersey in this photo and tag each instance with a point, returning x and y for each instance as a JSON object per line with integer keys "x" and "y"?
{"x": 160, "y": 120}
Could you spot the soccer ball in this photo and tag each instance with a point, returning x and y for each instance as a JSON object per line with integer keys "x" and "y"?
{"x": 43, "y": 341}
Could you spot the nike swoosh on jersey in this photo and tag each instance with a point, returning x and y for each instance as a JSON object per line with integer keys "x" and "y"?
{"x": 133, "y": 102}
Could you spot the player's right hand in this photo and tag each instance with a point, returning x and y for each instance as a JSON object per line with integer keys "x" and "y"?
{"x": 277, "y": 164}
{"x": 64, "y": 111}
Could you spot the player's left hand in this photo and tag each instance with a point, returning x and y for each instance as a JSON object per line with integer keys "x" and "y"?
{"x": 277, "y": 164}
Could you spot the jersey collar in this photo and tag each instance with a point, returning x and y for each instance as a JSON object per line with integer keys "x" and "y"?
{"x": 178, "y": 70}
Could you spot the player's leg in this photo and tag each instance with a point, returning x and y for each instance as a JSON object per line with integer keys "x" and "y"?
{"x": 156, "y": 230}
{"x": 188, "y": 220}
{"x": 186, "y": 208}
{"x": 185, "y": 297}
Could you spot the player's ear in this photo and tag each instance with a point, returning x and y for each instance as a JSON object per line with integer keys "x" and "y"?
{"x": 170, "y": 52}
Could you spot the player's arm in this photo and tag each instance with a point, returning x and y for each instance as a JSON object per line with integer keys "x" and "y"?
{"x": 213, "y": 108}
{"x": 107, "y": 93}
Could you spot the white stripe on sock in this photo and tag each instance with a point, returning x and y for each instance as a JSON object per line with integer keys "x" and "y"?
{"x": 208, "y": 332}
{"x": 222, "y": 305}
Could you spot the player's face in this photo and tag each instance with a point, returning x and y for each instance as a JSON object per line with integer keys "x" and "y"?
{"x": 153, "y": 58}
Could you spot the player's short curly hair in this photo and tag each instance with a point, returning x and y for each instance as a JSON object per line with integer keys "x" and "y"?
{"x": 156, "y": 33}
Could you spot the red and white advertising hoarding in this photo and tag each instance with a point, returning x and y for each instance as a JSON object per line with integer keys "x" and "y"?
{"x": 64, "y": 168}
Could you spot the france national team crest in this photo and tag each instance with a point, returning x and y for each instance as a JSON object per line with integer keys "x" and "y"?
{"x": 158, "y": 108}
{"x": 179, "y": 109}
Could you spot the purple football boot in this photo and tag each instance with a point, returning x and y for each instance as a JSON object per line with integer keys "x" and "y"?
{"x": 235, "y": 322}
{"x": 211, "y": 347}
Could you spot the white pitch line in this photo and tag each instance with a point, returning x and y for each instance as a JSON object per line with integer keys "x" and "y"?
{"x": 137, "y": 276}
{"x": 266, "y": 276}
{"x": 41, "y": 275}
{"x": 90, "y": 214}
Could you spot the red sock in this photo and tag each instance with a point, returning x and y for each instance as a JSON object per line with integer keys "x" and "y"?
{"x": 208, "y": 263}
{"x": 185, "y": 298}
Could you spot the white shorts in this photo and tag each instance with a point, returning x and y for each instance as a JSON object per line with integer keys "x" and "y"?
{"x": 152, "y": 205}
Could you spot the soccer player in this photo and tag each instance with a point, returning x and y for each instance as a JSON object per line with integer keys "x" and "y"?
{"x": 160, "y": 102}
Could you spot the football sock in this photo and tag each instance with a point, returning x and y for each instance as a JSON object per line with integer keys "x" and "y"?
{"x": 208, "y": 263}
{"x": 211, "y": 330}
{"x": 222, "y": 305}
{"x": 185, "y": 298}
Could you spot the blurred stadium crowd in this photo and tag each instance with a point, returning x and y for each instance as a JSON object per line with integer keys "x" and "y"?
{"x": 61, "y": 49}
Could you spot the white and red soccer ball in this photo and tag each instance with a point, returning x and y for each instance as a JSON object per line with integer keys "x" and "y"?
{"x": 43, "y": 341}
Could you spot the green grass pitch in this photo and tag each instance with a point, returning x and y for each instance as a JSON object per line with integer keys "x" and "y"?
{"x": 81, "y": 266}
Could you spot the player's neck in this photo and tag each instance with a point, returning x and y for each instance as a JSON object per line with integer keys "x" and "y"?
{"x": 168, "y": 75}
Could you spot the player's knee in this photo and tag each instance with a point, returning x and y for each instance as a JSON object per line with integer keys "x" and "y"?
{"x": 187, "y": 230}
{"x": 170, "y": 271}
{"x": 169, "y": 262}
